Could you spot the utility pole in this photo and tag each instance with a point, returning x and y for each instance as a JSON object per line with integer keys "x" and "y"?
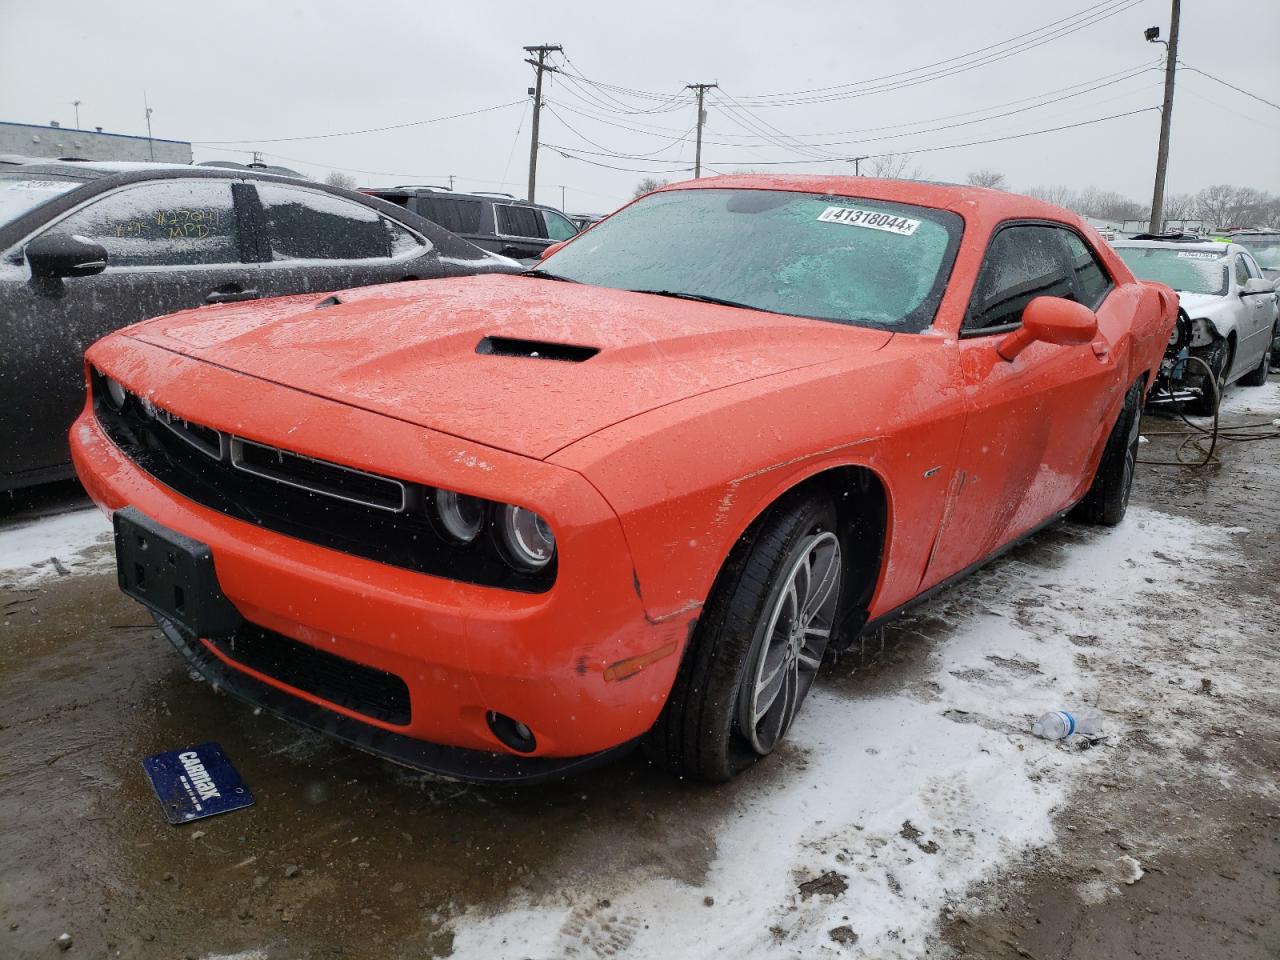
{"x": 539, "y": 67}
{"x": 857, "y": 164}
{"x": 1166, "y": 114}
{"x": 76, "y": 104}
{"x": 702, "y": 88}
{"x": 150, "y": 146}
{"x": 451, "y": 181}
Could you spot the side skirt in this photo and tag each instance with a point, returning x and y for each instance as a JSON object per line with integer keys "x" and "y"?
{"x": 871, "y": 626}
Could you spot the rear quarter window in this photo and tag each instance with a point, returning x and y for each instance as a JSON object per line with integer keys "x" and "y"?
{"x": 453, "y": 213}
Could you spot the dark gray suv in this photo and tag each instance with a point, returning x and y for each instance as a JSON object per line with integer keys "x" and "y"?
{"x": 497, "y": 222}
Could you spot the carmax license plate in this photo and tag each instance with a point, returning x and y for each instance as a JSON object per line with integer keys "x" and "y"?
{"x": 196, "y": 782}
{"x": 172, "y": 574}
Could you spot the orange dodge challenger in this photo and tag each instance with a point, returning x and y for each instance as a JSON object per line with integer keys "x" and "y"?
{"x": 505, "y": 526}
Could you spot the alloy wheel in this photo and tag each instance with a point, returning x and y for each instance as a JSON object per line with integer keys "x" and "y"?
{"x": 794, "y": 636}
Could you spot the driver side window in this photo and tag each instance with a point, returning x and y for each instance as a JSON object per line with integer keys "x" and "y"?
{"x": 165, "y": 223}
{"x": 1022, "y": 263}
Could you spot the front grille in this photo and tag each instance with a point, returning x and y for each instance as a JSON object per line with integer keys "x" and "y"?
{"x": 341, "y": 508}
{"x": 318, "y": 476}
{"x": 366, "y": 690}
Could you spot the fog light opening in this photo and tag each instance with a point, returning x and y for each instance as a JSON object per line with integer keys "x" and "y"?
{"x": 511, "y": 732}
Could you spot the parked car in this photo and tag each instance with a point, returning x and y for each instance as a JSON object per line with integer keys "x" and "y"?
{"x": 584, "y": 220}
{"x": 1264, "y": 245}
{"x": 494, "y": 221}
{"x": 506, "y": 526}
{"x": 89, "y": 247}
{"x": 1232, "y": 307}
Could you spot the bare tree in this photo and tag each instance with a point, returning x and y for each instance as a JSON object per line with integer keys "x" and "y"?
{"x": 1180, "y": 206}
{"x": 1058, "y": 194}
{"x": 987, "y": 178}
{"x": 342, "y": 180}
{"x": 895, "y": 166}
{"x": 648, "y": 184}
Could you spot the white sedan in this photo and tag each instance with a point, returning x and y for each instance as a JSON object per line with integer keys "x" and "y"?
{"x": 1231, "y": 305}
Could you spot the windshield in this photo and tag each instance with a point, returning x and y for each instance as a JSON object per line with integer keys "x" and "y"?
{"x": 857, "y": 261}
{"x": 1187, "y": 271}
{"x": 21, "y": 193}
{"x": 1265, "y": 249}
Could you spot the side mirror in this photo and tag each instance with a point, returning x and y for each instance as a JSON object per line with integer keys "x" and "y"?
{"x": 1050, "y": 320}
{"x": 65, "y": 255}
{"x": 1257, "y": 285}
{"x": 548, "y": 251}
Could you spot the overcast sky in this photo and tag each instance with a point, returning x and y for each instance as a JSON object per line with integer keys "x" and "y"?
{"x": 232, "y": 70}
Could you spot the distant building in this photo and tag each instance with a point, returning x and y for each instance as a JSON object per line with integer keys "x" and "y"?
{"x": 54, "y": 142}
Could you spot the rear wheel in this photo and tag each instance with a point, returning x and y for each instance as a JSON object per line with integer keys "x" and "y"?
{"x": 758, "y": 646}
{"x": 1108, "y": 496}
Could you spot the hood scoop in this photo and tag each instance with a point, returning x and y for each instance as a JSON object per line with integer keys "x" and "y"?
{"x": 535, "y": 349}
{"x": 332, "y": 301}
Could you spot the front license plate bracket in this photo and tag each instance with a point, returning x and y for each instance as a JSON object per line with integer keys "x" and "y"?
{"x": 171, "y": 574}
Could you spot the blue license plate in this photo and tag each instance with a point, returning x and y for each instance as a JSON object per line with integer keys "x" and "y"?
{"x": 196, "y": 782}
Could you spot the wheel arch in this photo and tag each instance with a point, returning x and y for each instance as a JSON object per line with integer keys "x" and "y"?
{"x": 864, "y": 507}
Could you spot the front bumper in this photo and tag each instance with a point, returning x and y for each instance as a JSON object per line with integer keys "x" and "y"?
{"x": 473, "y": 766}
{"x": 461, "y": 649}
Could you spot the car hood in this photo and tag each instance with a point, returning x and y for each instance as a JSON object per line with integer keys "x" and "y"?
{"x": 1200, "y": 304}
{"x": 413, "y": 351}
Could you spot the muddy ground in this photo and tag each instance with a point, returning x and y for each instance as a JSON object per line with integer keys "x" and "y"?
{"x": 347, "y": 856}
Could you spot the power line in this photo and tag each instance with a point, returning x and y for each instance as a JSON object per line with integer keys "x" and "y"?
{"x": 617, "y": 153}
{"x": 352, "y": 133}
{"x": 934, "y": 149}
{"x": 1044, "y": 28}
{"x": 1107, "y": 79}
{"x": 1231, "y": 85}
{"x": 569, "y": 154}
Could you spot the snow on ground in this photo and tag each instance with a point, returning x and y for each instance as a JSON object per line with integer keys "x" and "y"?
{"x": 78, "y": 542}
{"x": 894, "y": 804}
{"x": 1240, "y": 401}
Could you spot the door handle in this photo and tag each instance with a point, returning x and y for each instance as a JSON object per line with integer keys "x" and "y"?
{"x": 230, "y": 296}
{"x": 1100, "y": 349}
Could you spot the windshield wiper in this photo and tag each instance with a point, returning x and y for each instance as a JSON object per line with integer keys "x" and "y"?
{"x": 701, "y": 298}
{"x": 541, "y": 274}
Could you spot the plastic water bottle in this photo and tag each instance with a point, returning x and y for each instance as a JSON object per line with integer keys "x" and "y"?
{"x": 1060, "y": 724}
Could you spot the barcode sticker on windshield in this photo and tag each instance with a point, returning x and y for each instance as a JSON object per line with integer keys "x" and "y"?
{"x": 871, "y": 219}
{"x": 1198, "y": 254}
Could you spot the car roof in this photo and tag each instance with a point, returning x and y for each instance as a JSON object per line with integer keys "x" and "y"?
{"x": 1203, "y": 246}
{"x": 137, "y": 170}
{"x": 428, "y": 190}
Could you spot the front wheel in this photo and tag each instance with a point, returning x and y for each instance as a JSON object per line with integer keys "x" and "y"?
{"x": 1108, "y": 496}
{"x": 1258, "y": 376}
{"x": 758, "y": 645}
{"x": 1220, "y": 359}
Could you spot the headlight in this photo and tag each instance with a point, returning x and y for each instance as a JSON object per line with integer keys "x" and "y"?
{"x": 526, "y": 537}
{"x": 115, "y": 394}
{"x": 461, "y": 516}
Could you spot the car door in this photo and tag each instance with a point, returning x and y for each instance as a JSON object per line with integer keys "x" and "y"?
{"x": 1257, "y": 317}
{"x": 311, "y": 241}
{"x": 1032, "y": 425}
{"x": 171, "y": 244}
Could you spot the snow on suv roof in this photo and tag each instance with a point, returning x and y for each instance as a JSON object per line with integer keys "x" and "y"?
{"x": 1208, "y": 246}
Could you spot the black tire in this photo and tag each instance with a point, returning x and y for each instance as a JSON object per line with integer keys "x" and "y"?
{"x": 1258, "y": 376}
{"x": 1207, "y": 403}
{"x": 1108, "y": 497}
{"x": 698, "y": 734}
